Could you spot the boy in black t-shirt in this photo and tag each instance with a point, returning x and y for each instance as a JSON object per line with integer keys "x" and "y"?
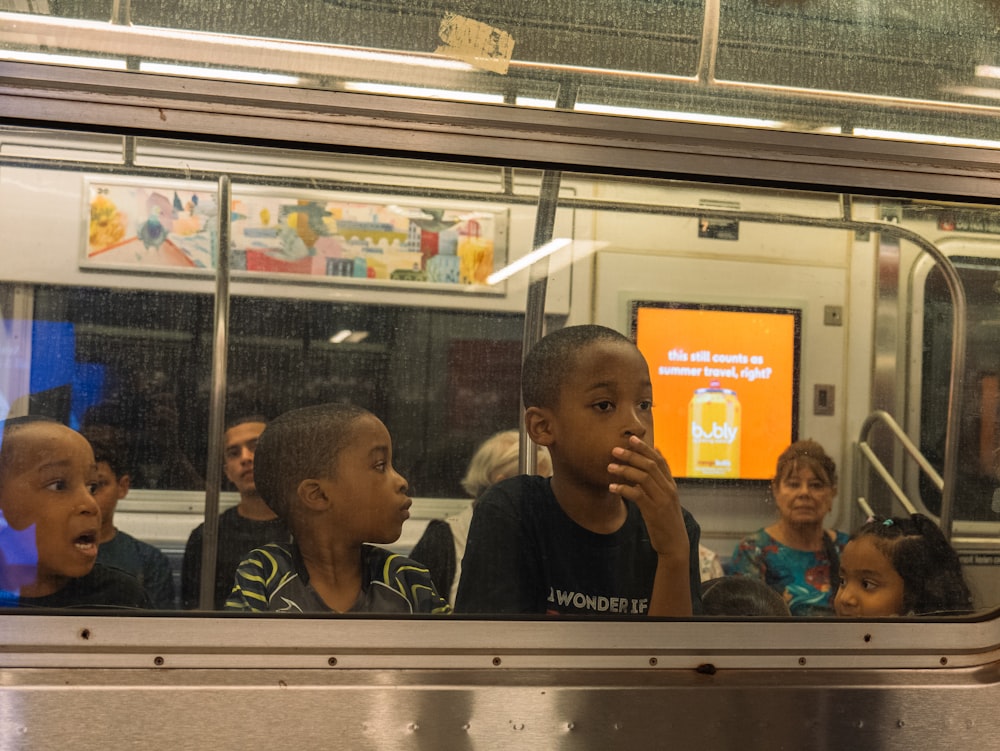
{"x": 49, "y": 531}
{"x": 246, "y": 526}
{"x": 118, "y": 549}
{"x": 606, "y": 534}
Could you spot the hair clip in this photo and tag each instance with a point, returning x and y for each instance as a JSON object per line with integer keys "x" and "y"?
{"x": 887, "y": 523}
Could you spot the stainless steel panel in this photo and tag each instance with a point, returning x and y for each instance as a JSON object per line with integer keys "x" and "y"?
{"x": 239, "y": 709}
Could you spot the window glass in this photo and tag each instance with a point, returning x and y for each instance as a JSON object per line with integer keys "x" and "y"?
{"x": 976, "y": 495}
{"x": 402, "y": 287}
{"x": 916, "y": 70}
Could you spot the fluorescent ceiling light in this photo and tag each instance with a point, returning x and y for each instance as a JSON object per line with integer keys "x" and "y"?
{"x": 82, "y": 62}
{"x": 525, "y": 261}
{"x": 424, "y": 61}
{"x": 689, "y": 117}
{"x": 341, "y": 336}
{"x": 348, "y": 336}
{"x": 982, "y": 92}
{"x": 924, "y": 138}
{"x": 229, "y": 75}
{"x": 987, "y": 71}
{"x": 527, "y": 101}
{"x": 417, "y": 91}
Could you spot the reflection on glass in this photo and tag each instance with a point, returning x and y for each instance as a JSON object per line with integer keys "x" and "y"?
{"x": 910, "y": 67}
{"x": 52, "y": 522}
{"x": 122, "y": 352}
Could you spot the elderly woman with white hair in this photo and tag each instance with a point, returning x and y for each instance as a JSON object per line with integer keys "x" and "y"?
{"x": 442, "y": 545}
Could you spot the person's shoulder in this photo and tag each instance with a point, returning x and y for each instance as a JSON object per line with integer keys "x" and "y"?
{"x": 515, "y": 492}
{"x": 437, "y": 526}
{"x": 437, "y": 532}
{"x": 273, "y": 553}
{"x": 230, "y": 516}
{"x": 690, "y": 523}
{"x": 405, "y": 576}
{"x": 196, "y": 535}
{"x": 756, "y": 541}
{"x": 143, "y": 548}
{"x": 762, "y": 537}
{"x": 382, "y": 564}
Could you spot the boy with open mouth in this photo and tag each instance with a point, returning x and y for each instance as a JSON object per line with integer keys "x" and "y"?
{"x": 47, "y": 479}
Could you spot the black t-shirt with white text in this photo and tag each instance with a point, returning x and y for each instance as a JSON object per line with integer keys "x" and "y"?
{"x": 525, "y": 555}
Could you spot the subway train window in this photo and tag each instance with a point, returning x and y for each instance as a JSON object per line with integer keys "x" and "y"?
{"x": 910, "y": 71}
{"x": 543, "y": 375}
{"x": 695, "y": 397}
{"x": 141, "y": 366}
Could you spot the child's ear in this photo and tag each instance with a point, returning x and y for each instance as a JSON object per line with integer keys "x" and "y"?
{"x": 124, "y": 485}
{"x": 538, "y": 422}
{"x": 312, "y": 495}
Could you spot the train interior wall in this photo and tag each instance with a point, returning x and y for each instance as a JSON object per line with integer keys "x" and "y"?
{"x": 617, "y": 256}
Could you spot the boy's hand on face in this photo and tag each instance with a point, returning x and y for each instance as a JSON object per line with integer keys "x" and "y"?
{"x": 645, "y": 479}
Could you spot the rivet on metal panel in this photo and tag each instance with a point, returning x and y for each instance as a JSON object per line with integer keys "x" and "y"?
{"x": 158, "y": 661}
{"x": 944, "y": 660}
{"x": 868, "y": 637}
{"x": 570, "y": 725}
{"x": 412, "y": 727}
{"x": 332, "y": 662}
{"x": 497, "y": 660}
{"x": 653, "y": 661}
{"x": 85, "y": 633}
{"x": 802, "y": 661}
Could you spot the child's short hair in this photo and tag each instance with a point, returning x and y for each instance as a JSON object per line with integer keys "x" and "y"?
{"x": 551, "y": 359}
{"x": 107, "y": 449}
{"x": 232, "y": 422}
{"x": 9, "y": 428}
{"x": 741, "y": 595}
{"x": 928, "y": 565}
{"x": 806, "y": 453}
{"x": 300, "y": 444}
{"x": 497, "y": 453}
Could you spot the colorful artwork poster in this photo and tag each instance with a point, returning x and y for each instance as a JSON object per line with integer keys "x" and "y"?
{"x": 162, "y": 226}
{"x": 339, "y": 238}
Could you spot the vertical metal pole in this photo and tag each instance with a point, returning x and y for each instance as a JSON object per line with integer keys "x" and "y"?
{"x": 217, "y": 400}
{"x": 886, "y": 393}
{"x": 709, "y": 42}
{"x": 538, "y": 279}
{"x": 121, "y": 12}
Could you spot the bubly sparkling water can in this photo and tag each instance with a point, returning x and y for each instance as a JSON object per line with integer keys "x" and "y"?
{"x": 714, "y": 439}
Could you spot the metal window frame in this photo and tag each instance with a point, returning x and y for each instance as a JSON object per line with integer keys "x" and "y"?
{"x": 141, "y": 104}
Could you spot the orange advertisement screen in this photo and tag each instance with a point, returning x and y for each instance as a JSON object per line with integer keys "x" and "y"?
{"x": 725, "y": 386}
